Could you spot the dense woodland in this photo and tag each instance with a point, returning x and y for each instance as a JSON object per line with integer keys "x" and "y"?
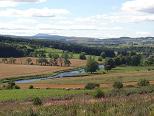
{"x": 115, "y": 56}
{"x": 71, "y": 47}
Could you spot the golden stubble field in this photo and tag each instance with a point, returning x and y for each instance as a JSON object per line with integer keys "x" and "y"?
{"x": 16, "y": 70}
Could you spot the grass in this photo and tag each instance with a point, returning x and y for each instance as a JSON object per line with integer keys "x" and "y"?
{"x": 136, "y": 105}
{"x": 58, "y": 51}
{"x": 15, "y": 95}
{"x": 28, "y": 94}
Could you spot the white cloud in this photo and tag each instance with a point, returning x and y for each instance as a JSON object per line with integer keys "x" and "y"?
{"x": 7, "y": 4}
{"x": 115, "y": 24}
{"x": 14, "y": 3}
{"x": 44, "y": 12}
{"x": 143, "y": 34}
{"x": 146, "y": 6}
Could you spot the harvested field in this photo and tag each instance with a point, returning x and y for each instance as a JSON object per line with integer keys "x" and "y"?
{"x": 16, "y": 70}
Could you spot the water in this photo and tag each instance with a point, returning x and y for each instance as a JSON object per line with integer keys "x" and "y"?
{"x": 72, "y": 73}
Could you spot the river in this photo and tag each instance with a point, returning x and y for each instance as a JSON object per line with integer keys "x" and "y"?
{"x": 72, "y": 73}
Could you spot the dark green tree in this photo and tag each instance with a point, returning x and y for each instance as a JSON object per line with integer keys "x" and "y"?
{"x": 92, "y": 65}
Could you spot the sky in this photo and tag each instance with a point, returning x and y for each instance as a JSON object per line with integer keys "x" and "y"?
{"x": 82, "y": 18}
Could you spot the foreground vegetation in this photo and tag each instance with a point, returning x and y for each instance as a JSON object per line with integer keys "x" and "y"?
{"x": 15, "y": 95}
{"x": 139, "y": 102}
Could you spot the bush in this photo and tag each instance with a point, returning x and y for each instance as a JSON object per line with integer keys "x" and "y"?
{"x": 99, "y": 93}
{"x": 100, "y": 58}
{"x": 31, "y": 87}
{"x": 117, "y": 85}
{"x": 16, "y": 87}
{"x": 91, "y": 86}
{"x": 82, "y": 56}
{"x": 37, "y": 101}
{"x": 143, "y": 82}
{"x": 10, "y": 85}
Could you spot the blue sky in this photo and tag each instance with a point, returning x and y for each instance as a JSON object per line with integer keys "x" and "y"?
{"x": 86, "y": 18}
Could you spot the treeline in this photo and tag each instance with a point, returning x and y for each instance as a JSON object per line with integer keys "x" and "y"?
{"x": 7, "y": 50}
{"x": 71, "y": 47}
{"x": 130, "y": 60}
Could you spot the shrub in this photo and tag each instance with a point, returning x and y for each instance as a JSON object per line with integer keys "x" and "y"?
{"x": 100, "y": 58}
{"x": 16, "y": 87}
{"x": 99, "y": 93}
{"x": 143, "y": 82}
{"x": 31, "y": 87}
{"x": 37, "y": 101}
{"x": 10, "y": 85}
{"x": 82, "y": 56}
{"x": 91, "y": 86}
{"x": 117, "y": 85}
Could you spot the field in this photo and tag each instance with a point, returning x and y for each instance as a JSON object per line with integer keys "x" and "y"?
{"x": 52, "y": 50}
{"x": 17, "y": 70}
{"x": 67, "y": 96}
{"x": 128, "y": 75}
{"x": 21, "y": 95}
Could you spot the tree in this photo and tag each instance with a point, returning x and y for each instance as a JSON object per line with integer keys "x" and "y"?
{"x": 149, "y": 61}
{"x": 92, "y": 65}
{"x": 82, "y": 56}
{"x": 71, "y": 55}
{"x": 12, "y": 60}
{"x": 41, "y": 53}
{"x": 42, "y": 61}
{"x": 29, "y": 60}
{"x": 65, "y": 56}
{"x": 135, "y": 60}
{"x": 54, "y": 59}
{"x": 110, "y": 62}
{"x": 103, "y": 55}
{"x": 4, "y": 60}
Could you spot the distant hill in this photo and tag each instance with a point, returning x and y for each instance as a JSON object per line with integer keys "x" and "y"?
{"x": 47, "y": 36}
{"x": 97, "y": 41}
{"x": 92, "y": 41}
{"x": 80, "y": 40}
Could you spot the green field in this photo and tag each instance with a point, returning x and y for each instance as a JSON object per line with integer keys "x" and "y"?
{"x": 13, "y": 95}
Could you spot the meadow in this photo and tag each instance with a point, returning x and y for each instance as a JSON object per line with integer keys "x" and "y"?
{"x": 132, "y": 105}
